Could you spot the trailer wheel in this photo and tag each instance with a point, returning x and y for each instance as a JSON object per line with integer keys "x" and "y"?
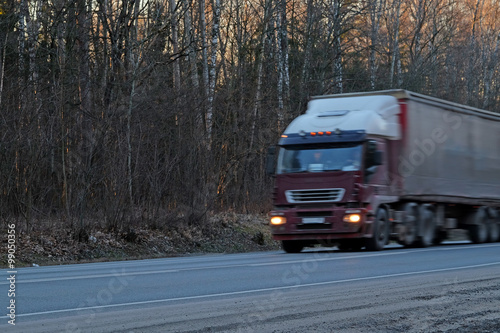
{"x": 478, "y": 231}
{"x": 411, "y": 218}
{"x": 493, "y": 225}
{"x": 494, "y": 231}
{"x": 427, "y": 225}
{"x": 380, "y": 232}
{"x": 291, "y": 246}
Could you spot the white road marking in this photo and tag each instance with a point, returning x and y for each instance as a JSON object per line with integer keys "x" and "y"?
{"x": 449, "y": 248}
{"x": 331, "y": 258}
{"x": 96, "y": 276}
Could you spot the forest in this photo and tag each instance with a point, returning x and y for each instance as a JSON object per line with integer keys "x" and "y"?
{"x": 150, "y": 111}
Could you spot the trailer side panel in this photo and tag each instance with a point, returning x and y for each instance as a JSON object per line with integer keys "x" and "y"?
{"x": 450, "y": 153}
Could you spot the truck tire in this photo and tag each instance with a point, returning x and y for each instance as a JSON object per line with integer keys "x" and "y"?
{"x": 411, "y": 226}
{"x": 478, "y": 230}
{"x": 427, "y": 227}
{"x": 493, "y": 225}
{"x": 380, "y": 235}
{"x": 291, "y": 246}
{"x": 493, "y": 231}
{"x": 478, "y": 233}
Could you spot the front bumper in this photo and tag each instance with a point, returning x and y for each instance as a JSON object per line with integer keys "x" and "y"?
{"x": 319, "y": 224}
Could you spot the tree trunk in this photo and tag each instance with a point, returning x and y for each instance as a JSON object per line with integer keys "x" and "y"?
{"x": 260, "y": 69}
{"x": 490, "y": 71}
{"x": 212, "y": 69}
{"x": 376, "y": 9}
{"x": 337, "y": 47}
{"x": 257, "y": 100}
{"x": 23, "y": 17}
{"x": 396, "y": 56}
{"x": 283, "y": 73}
{"x": 135, "y": 63}
{"x": 175, "y": 45}
{"x": 470, "y": 77}
{"x": 305, "y": 71}
{"x": 2, "y": 69}
{"x": 416, "y": 64}
{"x": 86, "y": 143}
{"x": 195, "y": 81}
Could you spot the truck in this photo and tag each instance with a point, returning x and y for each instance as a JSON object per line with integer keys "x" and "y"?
{"x": 359, "y": 170}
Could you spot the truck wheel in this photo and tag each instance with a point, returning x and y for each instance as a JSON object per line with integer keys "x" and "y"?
{"x": 380, "y": 232}
{"x": 427, "y": 224}
{"x": 478, "y": 232}
{"x": 411, "y": 218}
{"x": 494, "y": 231}
{"x": 291, "y": 246}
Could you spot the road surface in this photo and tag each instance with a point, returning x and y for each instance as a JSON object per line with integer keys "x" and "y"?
{"x": 448, "y": 288}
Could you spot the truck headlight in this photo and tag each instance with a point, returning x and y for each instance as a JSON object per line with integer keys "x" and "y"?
{"x": 278, "y": 220}
{"x": 352, "y": 218}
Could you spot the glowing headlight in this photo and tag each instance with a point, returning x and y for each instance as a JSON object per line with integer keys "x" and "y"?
{"x": 278, "y": 220}
{"x": 352, "y": 218}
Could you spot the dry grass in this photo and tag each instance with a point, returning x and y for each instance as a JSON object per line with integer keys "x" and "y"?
{"x": 52, "y": 243}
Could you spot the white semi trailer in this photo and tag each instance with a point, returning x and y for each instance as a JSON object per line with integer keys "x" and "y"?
{"x": 357, "y": 170}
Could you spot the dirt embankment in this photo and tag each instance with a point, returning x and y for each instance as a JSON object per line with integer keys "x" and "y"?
{"x": 222, "y": 233}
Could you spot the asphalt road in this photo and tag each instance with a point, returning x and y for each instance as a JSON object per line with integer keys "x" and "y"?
{"x": 447, "y": 288}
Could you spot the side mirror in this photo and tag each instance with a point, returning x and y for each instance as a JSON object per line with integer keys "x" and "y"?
{"x": 270, "y": 158}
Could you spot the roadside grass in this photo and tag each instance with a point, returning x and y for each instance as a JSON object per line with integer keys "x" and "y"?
{"x": 220, "y": 233}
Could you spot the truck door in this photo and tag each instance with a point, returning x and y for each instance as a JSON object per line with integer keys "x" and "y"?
{"x": 376, "y": 166}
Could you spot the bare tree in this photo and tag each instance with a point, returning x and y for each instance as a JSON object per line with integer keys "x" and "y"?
{"x": 470, "y": 77}
{"x": 191, "y": 43}
{"x": 376, "y": 9}
{"x": 489, "y": 73}
{"x": 175, "y": 44}
{"x": 153, "y": 110}
{"x": 418, "y": 10}
{"x": 212, "y": 68}
{"x": 396, "y": 69}
{"x": 306, "y": 64}
{"x": 337, "y": 47}
{"x": 260, "y": 67}
{"x": 3, "y": 47}
{"x": 283, "y": 61}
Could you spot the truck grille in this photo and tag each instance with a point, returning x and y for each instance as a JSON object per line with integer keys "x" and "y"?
{"x": 320, "y": 195}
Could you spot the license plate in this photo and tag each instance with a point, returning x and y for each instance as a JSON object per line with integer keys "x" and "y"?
{"x": 312, "y": 220}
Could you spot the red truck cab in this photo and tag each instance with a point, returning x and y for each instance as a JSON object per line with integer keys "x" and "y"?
{"x": 331, "y": 167}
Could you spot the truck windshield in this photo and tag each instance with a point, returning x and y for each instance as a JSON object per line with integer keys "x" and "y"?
{"x": 345, "y": 157}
